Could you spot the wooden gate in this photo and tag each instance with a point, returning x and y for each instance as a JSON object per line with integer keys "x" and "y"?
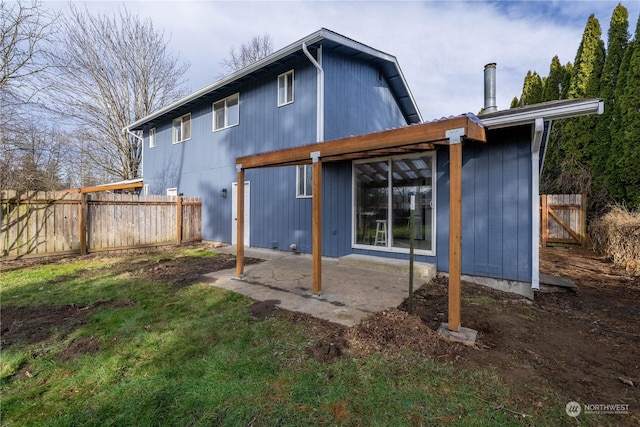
{"x": 563, "y": 219}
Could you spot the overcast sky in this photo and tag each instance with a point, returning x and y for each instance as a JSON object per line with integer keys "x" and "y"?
{"x": 442, "y": 46}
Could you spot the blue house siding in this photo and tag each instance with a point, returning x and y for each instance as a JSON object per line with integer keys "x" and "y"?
{"x": 496, "y": 206}
{"x": 356, "y": 100}
{"x": 205, "y": 164}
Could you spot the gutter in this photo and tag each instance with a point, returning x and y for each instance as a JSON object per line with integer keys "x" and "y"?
{"x": 538, "y": 132}
{"x": 514, "y": 117}
{"x": 319, "y": 89}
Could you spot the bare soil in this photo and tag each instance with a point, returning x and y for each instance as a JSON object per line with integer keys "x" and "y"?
{"x": 582, "y": 345}
{"x": 579, "y": 345}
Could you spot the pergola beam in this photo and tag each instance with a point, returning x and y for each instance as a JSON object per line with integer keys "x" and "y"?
{"x": 414, "y": 135}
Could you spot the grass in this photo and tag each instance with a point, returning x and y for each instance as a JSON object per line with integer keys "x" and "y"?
{"x": 193, "y": 356}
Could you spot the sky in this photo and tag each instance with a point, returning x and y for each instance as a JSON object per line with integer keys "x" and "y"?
{"x": 441, "y": 46}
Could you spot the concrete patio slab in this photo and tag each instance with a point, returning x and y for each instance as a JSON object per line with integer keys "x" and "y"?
{"x": 349, "y": 293}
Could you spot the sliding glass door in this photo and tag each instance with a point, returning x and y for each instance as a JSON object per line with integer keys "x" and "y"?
{"x": 382, "y": 199}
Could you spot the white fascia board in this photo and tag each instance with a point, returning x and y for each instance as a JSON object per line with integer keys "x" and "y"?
{"x": 554, "y": 112}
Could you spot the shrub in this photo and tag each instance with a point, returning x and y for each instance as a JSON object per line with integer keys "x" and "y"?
{"x": 617, "y": 234}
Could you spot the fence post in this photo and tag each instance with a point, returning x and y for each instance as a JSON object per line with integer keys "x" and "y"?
{"x": 82, "y": 223}
{"x": 545, "y": 219}
{"x": 179, "y": 219}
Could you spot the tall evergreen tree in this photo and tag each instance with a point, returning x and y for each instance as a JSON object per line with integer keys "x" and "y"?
{"x": 629, "y": 163}
{"x": 613, "y": 172}
{"x": 578, "y": 133}
{"x": 553, "y": 85}
{"x": 531, "y": 89}
{"x": 618, "y": 38}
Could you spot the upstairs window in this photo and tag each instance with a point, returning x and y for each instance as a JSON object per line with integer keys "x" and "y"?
{"x": 304, "y": 181}
{"x": 182, "y": 128}
{"x": 285, "y": 88}
{"x": 226, "y": 113}
{"x": 152, "y": 137}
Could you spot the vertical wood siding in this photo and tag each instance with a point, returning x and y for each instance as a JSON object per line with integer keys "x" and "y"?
{"x": 496, "y": 206}
{"x": 355, "y": 102}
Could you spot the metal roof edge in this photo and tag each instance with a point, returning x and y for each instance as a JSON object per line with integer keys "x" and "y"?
{"x": 557, "y": 111}
{"x": 321, "y": 34}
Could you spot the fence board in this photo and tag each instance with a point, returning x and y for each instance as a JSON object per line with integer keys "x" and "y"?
{"x": 39, "y": 224}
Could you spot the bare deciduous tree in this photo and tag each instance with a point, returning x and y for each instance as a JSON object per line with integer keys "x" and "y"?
{"x": 252, "y": 51}
{"x": 30, "y": 156}
{"x": 111, "y": 71}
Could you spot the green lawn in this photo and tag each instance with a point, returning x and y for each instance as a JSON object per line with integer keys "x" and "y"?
{"x": 192, "y": 356}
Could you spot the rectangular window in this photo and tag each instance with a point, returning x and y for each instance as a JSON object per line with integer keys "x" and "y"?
{"x": 173, "y": 191}
{"x": 182, "y": 128}
{"x": 382, "y": 203}
{"x": 226, "y": 113}
{"x": 304, "y": 181}
{"x": 285, "y": 88}
{"x": 152, "y": 137}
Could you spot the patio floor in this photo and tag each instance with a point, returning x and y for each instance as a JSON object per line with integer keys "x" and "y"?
{"x": 349, "y": 292}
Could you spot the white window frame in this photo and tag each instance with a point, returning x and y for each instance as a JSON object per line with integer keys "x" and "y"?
{"x": 184, "y": 122}
{"x": 173, "y": 191}
{"x": 145, "y": 190}
{"x": 152, "y": 137}
{"x": 288, "y": 90}
{"x": 225, "y": 107}
{"x": 390, "y": 247}
{"x": 298, "y": 194}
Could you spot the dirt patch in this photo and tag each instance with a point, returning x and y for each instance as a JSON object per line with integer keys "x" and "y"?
{"x": 582, "y": 345}
{"x": 79, "y": 347}
{"x": 31, "y": 325}
{"x": 262, "y": 310}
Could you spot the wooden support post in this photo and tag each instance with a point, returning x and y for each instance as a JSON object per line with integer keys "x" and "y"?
{"x": 179, "y": 219}
{"x": 583, "y": 221}
{"x": 544, "y": 212}
{"x": 455, "y": 233}
{"x": 316, "y": 248}
{"x": 82, "y": 223}
{"x": 240, "y": 223}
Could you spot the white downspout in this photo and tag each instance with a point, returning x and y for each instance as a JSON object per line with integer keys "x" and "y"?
{"x": 538, "y": 132}
{"x": 141, "y": 139}
{"x": 320, "y": 89}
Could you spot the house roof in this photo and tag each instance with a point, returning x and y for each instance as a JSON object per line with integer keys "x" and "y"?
{"x": 329, "y": 40}
{"x": 552, "y": 110}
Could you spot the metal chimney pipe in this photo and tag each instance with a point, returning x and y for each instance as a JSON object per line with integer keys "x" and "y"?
{"x": 490, "y": 88}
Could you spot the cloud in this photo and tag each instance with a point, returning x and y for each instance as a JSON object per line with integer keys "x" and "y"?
{"x": 442, "y": 47}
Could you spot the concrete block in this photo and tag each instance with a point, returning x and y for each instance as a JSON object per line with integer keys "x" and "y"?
{"x": 389, "y": 265}
{"x": 464, "y": 335}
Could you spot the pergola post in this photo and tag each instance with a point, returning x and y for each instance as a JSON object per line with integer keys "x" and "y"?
{"x": 316, "y": 235}
{"x": 455, "y": 226}
{"x": 240, "y": 222}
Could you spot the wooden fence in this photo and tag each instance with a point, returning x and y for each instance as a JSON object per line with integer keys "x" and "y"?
{"x": 49, "y": 223}
{"x": 563, "y": 219}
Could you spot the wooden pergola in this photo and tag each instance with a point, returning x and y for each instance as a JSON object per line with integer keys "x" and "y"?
{"x": 410, "y": 139}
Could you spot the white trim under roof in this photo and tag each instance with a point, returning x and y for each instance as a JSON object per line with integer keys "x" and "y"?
{"x": 551, "y": 111}
{"x": 322, "y": 34}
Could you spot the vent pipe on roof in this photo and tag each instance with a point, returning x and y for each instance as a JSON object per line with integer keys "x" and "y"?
{"x": 490, "y": 88}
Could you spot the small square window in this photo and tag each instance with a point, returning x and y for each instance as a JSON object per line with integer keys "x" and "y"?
{"x": 182, "y": 128}
{"x": 304, "y": 181}
{"x": 285, "y": 88}
{"x": 226, "y": 113}
{"x": 152, "y": 137}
